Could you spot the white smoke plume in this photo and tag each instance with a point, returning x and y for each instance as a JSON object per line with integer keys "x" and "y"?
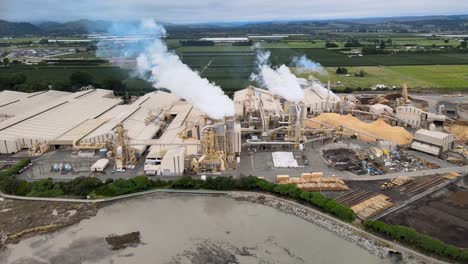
{"x": 280, "y": 81}
{"x": 164, "y": 69}
{"x": 305, "y": 65}
{"x": 168, "y": 71}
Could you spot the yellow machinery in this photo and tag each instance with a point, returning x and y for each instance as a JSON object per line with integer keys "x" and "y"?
{"x": 124, "y": 155}
{"x": 218, "y": 151}
{"x": 39, "y": 148}
{"x": 404, "y": 100}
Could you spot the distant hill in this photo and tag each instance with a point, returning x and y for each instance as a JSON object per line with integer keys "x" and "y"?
{"x": 416, "y": 24}
{"x": 82, "y": 26}
{"x": 52, "y": 28}
{"x": 17, "y": 28}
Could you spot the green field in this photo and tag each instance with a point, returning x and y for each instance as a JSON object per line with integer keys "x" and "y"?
{"x": 451, "y": 77}
{"x": 227, "y": 66}
{"x": 334, "y": 58}
{"x": 54, "y": 74}
{"x": 81, "y": 55}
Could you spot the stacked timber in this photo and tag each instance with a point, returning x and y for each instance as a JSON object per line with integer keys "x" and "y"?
{"x": 372, "y": 206}
{"x": 401, "y": 180}
{"x": 314, "y": 182}
{"x": 452, "y": 175}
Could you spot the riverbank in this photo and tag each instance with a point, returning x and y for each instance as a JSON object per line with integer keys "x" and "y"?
{"x": 23, "y": 219}
{"x": 372, "y": 244}
{"x": 42, "y": 214}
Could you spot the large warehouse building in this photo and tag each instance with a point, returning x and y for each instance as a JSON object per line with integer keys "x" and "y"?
{"x": 46, "y": 116}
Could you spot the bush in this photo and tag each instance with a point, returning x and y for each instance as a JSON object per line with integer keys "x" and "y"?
{"x": 220, "y": 183}
{"x": 122, "y": 186}
{"x": 81, "y": 186}
{"x": 421, "y": 241}
{"x": 331, "y": 45}
{"x": 341, "y": 70}
{"x": 45, "y": 188}
{"x": 15, "y": 168}
{"x": 247, "y": 183}
{"x": 265, "y": 185}
{"x": 187, "y": 183}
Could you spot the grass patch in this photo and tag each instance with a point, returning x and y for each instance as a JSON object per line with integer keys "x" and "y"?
{"x": 443, "y": 77}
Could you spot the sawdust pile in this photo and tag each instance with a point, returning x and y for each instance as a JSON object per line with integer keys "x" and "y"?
{"x": 460, "y": 132}
{"x": 377, "y": 128}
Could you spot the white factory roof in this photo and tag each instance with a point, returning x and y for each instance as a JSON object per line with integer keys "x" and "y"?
{"x": 425, "y": 148}
{"x": 316, "y": 93}
{"x": 7, "y": 97}
{"x": 186, "y": 117}
{"x": 51, "y": 120}
{"x": 431, "y": 134}
{"x": 133, "y": 118}
{"x": 15, "y": 103}
{"x": 260, "y": 97}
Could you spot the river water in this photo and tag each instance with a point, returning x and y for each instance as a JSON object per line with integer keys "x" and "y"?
{"x": 190, "y": 229}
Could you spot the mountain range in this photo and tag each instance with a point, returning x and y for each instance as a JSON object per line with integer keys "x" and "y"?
{"x": 421, "y": 24}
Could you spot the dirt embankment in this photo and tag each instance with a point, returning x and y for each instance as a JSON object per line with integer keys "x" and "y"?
{"x": 23, "y": 219}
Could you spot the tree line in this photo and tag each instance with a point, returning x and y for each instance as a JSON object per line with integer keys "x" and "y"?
{"x": 411, "y": 237}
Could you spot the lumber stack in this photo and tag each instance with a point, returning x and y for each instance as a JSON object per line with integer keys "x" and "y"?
{"x": 372, "y": 206}
{"x": 314, "y": 182}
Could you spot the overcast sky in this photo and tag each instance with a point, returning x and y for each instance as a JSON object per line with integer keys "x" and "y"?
{"x": 189, "y": 11}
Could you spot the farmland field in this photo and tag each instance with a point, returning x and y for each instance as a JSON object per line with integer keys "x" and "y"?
{"x": 454, "y": 77}
{"x": 54, "y": 74}
{"x": 227, "y": 66}
{"x": 335, "y": 58}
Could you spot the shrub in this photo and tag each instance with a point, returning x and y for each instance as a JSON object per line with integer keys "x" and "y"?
{"x": 220, "y": 183}
{"x": 247, "y": 183}
{"x": 81, "y": 186}
{"x": 45, "y": 188}
{"x": 187, "y": 183}
{"x": 421, "y": 241}
{"x": 15, "y": 168}
{"x": 265, "y": 185}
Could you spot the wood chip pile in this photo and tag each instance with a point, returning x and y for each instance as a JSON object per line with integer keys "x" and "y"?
{"x": 460, "y": 132}
{"x": 377, "y": 128}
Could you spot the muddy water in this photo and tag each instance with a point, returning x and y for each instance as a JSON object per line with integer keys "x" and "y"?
{"x": 190, "y": 229}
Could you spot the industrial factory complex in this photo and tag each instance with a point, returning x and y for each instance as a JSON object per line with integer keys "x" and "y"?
{"x": 375, "y": 153}
{"x": 162, "y": 134}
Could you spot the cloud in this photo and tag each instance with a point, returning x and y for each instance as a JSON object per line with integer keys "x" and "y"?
{"x": 187, "y": 11}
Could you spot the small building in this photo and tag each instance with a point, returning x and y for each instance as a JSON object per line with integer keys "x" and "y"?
{"x": 432, "y": 142}
{"x": 100, "y": 165}
{"x": 173, "y": 162}
{"x": 318, "y": 99}
{"x": 416, "y": 117}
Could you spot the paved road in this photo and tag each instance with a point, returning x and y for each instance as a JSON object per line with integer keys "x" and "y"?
{"x": 458, "y": 169}
{"x": 415, "y": 198}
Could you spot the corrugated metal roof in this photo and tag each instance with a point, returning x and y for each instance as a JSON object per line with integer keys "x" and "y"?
{"x": 31, "y": 102}
{"x": 51, "y": 121}
{"x": 432, "y": 134}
